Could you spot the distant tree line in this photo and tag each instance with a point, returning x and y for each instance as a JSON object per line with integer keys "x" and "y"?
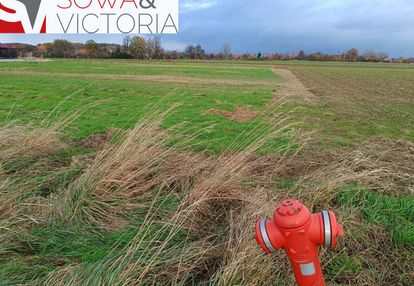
{"x": 351, "y": 55}
{"x": 131, "y": 48}
{"x": 140, "y": 48}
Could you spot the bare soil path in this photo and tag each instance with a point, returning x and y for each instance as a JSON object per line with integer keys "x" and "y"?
{"x": 292, "y": 87}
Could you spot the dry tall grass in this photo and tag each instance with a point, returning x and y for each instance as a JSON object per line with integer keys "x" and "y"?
{"x": 18, "y": 141}
{"x": 123, "y": 176}
{"x": 209, "y": 237}
{"x": 18, "y": 212}
{"x": 20, "y": 206}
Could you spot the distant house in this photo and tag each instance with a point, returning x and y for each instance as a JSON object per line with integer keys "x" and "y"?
{"x": 336, "y": 58}
{"x": 81, "y": 52}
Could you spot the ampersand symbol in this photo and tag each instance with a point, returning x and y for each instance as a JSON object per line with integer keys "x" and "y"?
{"x": 149, "y": 4}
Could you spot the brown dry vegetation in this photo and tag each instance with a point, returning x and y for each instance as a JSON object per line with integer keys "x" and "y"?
{"x": 240, "y": 113}
{"x": 221, "y": 198}
{"x": 18, "y": 141}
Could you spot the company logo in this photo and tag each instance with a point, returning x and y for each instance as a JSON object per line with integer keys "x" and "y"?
{"x": 20, "y": 16}
{"x": 89, "y": 16}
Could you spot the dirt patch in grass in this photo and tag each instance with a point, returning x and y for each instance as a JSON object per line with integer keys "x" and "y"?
{"x": 240, "y": 113}
{"x": 99, "y": 141}
{"x": 297, "y": 165}
{"x": 292, "y": 87}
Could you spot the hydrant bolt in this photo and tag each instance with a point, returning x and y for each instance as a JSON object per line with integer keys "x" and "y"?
{"x": 299, "y": 233}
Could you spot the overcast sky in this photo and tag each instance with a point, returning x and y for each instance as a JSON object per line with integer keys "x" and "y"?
{"x": 283, "y": 26}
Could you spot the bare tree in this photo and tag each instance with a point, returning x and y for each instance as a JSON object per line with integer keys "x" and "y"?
{"x": 382, "y": 56}
{"x": 195, "y": 52}
{"x": 370, "y": 56}
{"x": 154, "y": 48}
{"x": 352, "y": 55}
{"x": 301, "y": 55}
{"x": 226, "y": 51}
{"x": 126, "y": 42}
{"x": 199, "y": 52}
{"x": 158, "y": 50}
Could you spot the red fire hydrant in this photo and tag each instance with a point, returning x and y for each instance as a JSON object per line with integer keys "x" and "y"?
{"x": 299, "y": 233}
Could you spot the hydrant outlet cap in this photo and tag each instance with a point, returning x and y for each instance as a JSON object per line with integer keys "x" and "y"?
{"x": 291, "y": 214}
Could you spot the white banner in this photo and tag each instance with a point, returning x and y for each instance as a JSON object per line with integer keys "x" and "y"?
{"x": 93, "y": 16}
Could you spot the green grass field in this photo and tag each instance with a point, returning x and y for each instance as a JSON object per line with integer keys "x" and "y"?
{"x": 90, "y": 197}
{"x": 121, "y": 102}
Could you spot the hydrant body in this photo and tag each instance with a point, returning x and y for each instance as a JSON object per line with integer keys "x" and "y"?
{"x": 299, "y": 233}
